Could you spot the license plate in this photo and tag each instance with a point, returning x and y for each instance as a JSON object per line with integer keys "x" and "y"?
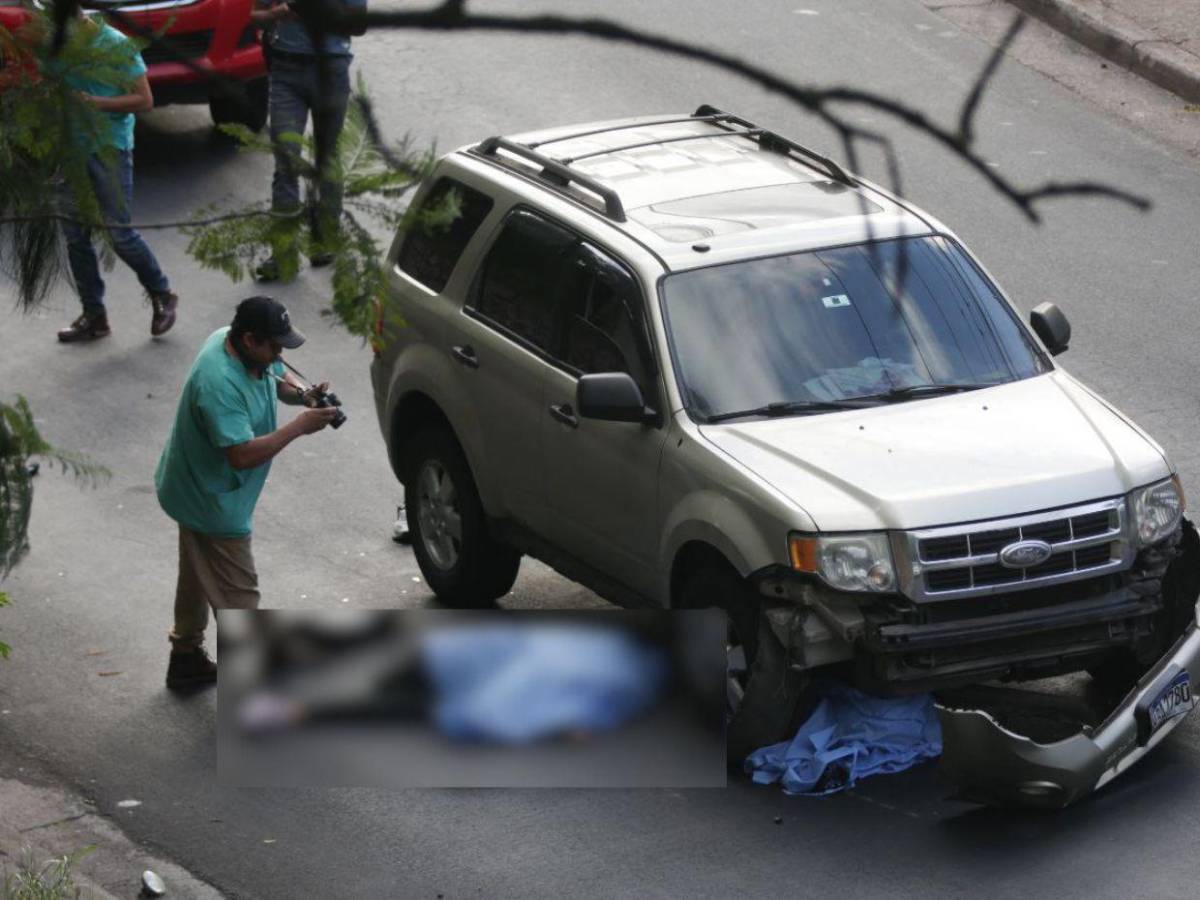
{"x": 1172, "y": 700}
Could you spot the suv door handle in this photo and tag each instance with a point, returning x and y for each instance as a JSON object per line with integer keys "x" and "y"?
{"x": 565, "y": 414}
{"x": 465, "y": 355}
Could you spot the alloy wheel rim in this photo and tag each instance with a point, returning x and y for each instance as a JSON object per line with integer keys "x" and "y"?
{"x": 438, "y": 515}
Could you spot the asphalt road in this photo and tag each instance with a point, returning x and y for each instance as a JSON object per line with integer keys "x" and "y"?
{"x": 82, "y": 696}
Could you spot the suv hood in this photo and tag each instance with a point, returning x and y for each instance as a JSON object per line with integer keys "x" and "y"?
{"x": 1016, "y": 448}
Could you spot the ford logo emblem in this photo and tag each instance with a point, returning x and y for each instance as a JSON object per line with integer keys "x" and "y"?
{"x": 1024, "y": 554}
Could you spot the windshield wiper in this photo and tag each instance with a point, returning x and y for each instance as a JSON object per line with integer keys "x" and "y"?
{"x": 794, "y": 408}
{"x": 922, "y": 390}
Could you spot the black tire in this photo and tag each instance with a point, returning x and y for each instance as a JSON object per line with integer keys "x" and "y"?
{"x": 763, "y": 698}
{"x": 240, "y": 104}
{"x": 469, "y": 570}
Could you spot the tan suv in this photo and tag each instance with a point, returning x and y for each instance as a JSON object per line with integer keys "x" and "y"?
{"x": 688, "y": 362}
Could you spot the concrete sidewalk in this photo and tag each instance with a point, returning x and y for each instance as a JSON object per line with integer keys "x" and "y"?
{"x": 1157, "y": 39}
{"x": 38, "y": 824}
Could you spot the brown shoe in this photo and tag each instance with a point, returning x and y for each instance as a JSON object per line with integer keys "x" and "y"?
{"x": 164, "y": 312}
{"x": 190, "y": 669}
{"x": 87, "y": 327}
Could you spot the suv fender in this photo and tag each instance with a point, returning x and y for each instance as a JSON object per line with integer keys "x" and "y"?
{"x": 420, "y": 401}
{"x": 708, "y": 518}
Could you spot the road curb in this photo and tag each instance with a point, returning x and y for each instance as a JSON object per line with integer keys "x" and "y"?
{"x": 1121, "y": 40}
{"x": 43, "y": 823}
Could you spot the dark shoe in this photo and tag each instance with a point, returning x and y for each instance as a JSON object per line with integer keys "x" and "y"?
{"x": 189, "y": 669}
{"x": 320, "y": 260}
{"x": 87, "y": 327}
{"x": 164, "y": 312}
{"x": 267, "y": 271}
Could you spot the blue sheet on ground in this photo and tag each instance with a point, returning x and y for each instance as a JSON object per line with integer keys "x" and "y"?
{"x": 850, "y": 735}
{"x": 518, "y": 683}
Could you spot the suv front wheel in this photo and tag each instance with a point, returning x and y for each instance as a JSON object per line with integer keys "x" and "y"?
{"x": 463, "y": 564}
{"x": 764, "y": 694}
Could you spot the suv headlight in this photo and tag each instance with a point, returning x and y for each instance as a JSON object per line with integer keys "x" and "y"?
{"x": 847, "y": 562}
{"x": 1157, "y": 510}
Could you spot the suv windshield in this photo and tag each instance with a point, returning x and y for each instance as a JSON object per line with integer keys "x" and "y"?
{"x": 879, "y": 320}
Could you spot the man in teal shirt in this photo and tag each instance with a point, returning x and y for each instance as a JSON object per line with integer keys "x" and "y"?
{"x": 215, "y": 464}
{"x": 108, "y": 72}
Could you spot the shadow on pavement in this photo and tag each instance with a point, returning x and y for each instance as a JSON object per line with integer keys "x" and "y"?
{"x": 175, "y": 136}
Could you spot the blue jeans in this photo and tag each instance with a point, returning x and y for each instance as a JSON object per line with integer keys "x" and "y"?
{"x": 114, "y": 193}
{"x": 293, "y": 95}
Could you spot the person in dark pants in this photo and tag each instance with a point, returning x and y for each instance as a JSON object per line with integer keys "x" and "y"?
{"x": 303, "y": 83}
{"x": 118, "y": 92}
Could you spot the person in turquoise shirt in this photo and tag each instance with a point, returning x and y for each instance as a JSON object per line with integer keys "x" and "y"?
{"x": 215, "y": 463}
{"x": 107, "y": 70}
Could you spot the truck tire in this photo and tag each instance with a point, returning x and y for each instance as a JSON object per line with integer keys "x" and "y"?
{"x": 464, "y": 565}
{"x": 243, "y": 104}
{"x": 764, "y": 692}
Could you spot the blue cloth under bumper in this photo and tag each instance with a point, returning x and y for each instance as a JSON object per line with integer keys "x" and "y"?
{"x": 850, "y": 735}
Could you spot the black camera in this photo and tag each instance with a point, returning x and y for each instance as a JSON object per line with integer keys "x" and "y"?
{"x": 328, "y": 398}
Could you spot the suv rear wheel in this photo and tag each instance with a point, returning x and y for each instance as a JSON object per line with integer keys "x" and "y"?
{"x": 763, "y": 692}
{"x": 461, "y": 561}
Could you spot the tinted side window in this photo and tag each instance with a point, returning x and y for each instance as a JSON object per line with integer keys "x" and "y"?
{"x": 522, "y": 279}
{"x": 603, "y": 331}
{"x": 430, "y": 254}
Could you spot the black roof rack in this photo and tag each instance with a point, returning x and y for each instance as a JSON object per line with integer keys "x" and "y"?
{"x": 559, "y": 174}
{"x": 627, "y": 126}
{"x": 749, "y": 132}
{"x": 769, "y": 140}
{"x": 556, "y": 173}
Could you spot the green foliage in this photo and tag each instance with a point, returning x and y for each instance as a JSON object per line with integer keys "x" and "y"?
{"x": 20, "y": 442}
{"x": 373, "y": 179}
{"x": 49, "y": 132}
{"x": 50, "y": 880}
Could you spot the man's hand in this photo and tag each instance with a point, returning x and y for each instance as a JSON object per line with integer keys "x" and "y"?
{"x": 278, "y": 12}
{"x": 313, "y": 420}
{"x": 261, "y": 449}
{"x": 309, "y": 397}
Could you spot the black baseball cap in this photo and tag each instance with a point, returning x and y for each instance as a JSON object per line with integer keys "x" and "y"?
{"x": 266, "y": 317}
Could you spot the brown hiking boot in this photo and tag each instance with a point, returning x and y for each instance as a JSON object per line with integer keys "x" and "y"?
{"x": 87, "y": 327}
{"x": 190, "y": 669}
{"x": 164, "y": 312}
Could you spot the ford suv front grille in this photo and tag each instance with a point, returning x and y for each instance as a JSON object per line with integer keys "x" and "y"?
{"x": 965, "y": 560}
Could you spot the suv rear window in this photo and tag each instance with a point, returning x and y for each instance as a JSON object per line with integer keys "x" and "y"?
{"x": 430, "y": 255}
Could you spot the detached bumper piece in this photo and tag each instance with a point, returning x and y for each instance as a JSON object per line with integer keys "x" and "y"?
{"x": 1010, "y": 747}
{"x": 993, "y": 764}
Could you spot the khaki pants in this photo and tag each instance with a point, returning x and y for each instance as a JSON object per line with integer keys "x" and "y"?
{"x": 213, "y": 572}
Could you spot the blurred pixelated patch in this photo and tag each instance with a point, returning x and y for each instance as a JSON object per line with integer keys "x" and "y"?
{"x": 497, "y": 698}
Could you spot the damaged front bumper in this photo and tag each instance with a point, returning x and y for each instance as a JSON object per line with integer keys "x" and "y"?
{"x": 992, "y": 764}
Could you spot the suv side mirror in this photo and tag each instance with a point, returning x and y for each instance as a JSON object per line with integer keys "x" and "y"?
{"x": 612, "y": 397}
{"x": 1051, "y": 326}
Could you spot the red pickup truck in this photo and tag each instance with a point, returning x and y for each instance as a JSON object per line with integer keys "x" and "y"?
{"x": 202, "y": 38}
